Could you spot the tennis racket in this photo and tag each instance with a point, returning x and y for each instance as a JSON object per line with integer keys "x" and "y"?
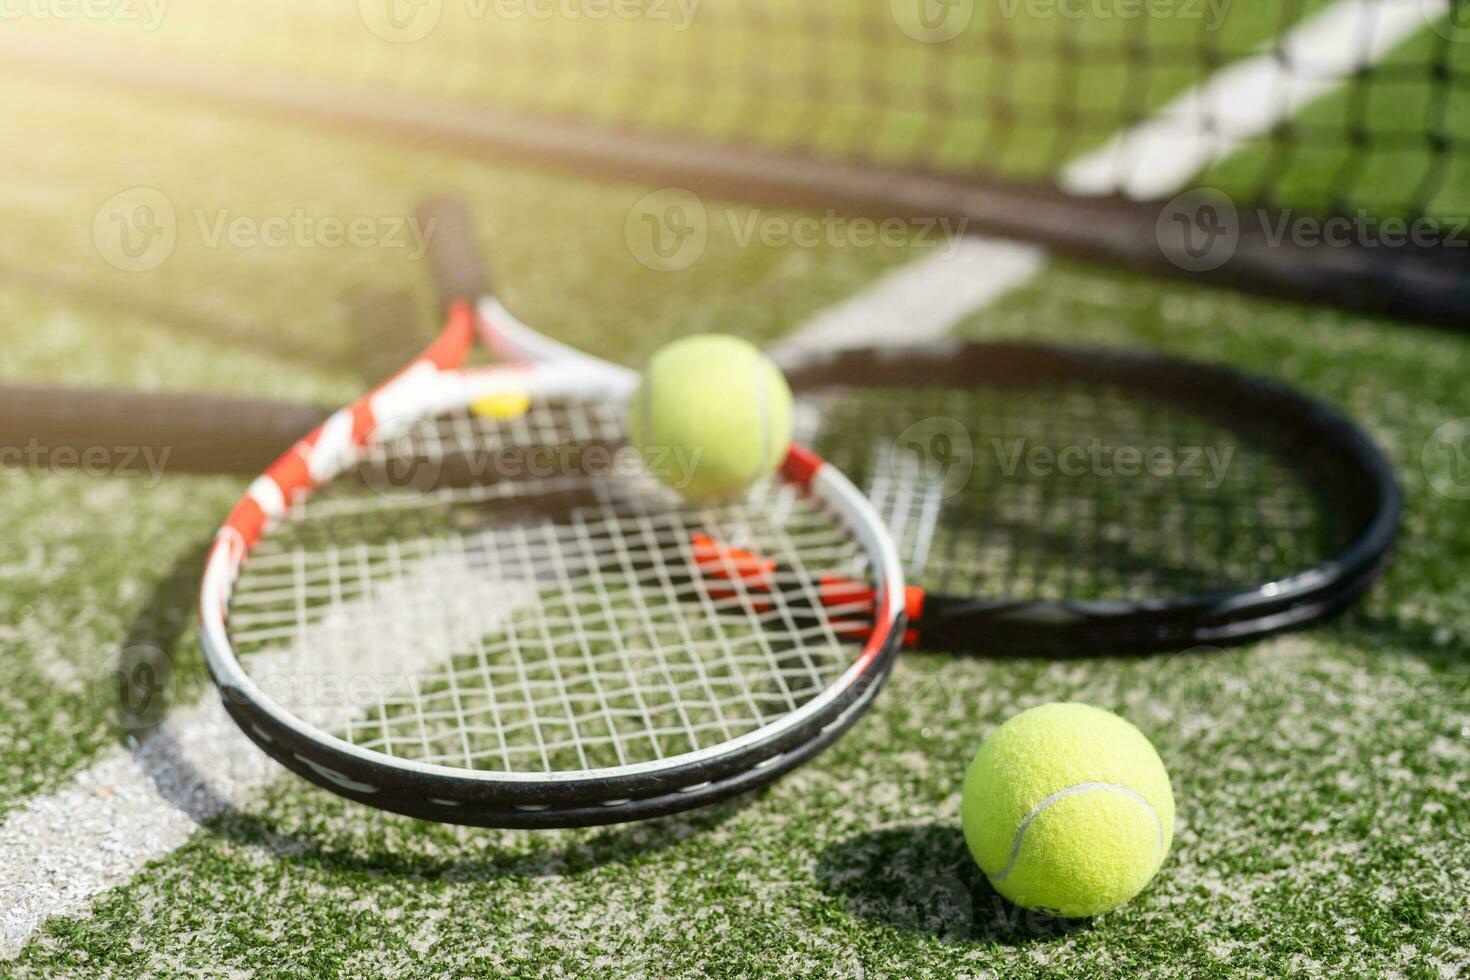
{"x": 1076, "y": 501}
{"x": 60, "y": 427}
{"x": 444, "y": 607}
{"x": 54, "y": 428}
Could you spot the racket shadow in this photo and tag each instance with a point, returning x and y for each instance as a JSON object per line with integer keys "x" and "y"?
{"x": 575, "y": 851}
{"x": 921, "y": 879}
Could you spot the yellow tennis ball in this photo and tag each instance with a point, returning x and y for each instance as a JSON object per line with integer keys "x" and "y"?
{"x": 1068, "y": 810}
{"x": 711, "y": 416}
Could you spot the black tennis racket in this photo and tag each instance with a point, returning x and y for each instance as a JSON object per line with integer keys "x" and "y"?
{"x": 1080, "y": 501}
{"x": 1076, "y": 500}
{"x": 55, "y": 427}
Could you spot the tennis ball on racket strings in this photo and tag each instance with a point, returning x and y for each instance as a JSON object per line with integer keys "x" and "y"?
{"x": 1068, "y": 810}
{"x": 711, "y": 415}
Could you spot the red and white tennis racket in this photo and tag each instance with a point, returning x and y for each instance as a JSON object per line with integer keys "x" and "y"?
{"x": 447, "y": 604}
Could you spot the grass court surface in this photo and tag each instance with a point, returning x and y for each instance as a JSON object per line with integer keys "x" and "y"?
{"x": 1320, "y": 777}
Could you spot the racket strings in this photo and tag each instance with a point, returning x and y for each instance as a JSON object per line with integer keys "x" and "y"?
{"x": 1083, "y": 491}
{"x": 546, "y": 624}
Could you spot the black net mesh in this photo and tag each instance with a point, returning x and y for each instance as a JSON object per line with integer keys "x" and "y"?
{"x": 1333, "y": 106}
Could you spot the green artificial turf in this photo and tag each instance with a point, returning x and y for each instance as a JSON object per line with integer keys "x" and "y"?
{"x": 1320, "y": 777}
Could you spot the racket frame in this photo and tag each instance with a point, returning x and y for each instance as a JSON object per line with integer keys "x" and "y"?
{"x": 434, "y": 383}
{"x": 1103, "y": 626}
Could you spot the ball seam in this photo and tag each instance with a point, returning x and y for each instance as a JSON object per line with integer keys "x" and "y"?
{"x": 1062, "y": 794}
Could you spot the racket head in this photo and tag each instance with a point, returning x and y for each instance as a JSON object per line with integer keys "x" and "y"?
{"x": 407, "y": 610}
{"x": 1101, "y": 501}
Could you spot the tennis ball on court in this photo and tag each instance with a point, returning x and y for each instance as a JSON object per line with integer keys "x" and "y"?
{"x": 1068, "y": 810}
{"x": 711, "y": 416}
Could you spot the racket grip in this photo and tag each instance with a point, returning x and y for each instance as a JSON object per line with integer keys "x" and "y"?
{"x": 58, "y": 429}
{"x": 454, "y": 258}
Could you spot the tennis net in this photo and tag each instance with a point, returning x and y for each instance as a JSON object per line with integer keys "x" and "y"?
{"x": 1077, "y": 123}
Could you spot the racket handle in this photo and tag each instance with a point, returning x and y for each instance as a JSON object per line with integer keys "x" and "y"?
{"x": 61, "y": 429}
{"x": 458, "y": 268}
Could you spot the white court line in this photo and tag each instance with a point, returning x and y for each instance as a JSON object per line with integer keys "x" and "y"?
{"x": 923, "y": 299}
{"x": 1246, "y": 99}
{"x": 58, "y": 851}
{"x": 130, "y": 808}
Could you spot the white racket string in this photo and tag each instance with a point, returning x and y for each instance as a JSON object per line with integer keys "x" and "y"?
{"x": 908, "y": 499}
{"x": 538, "y": 624}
